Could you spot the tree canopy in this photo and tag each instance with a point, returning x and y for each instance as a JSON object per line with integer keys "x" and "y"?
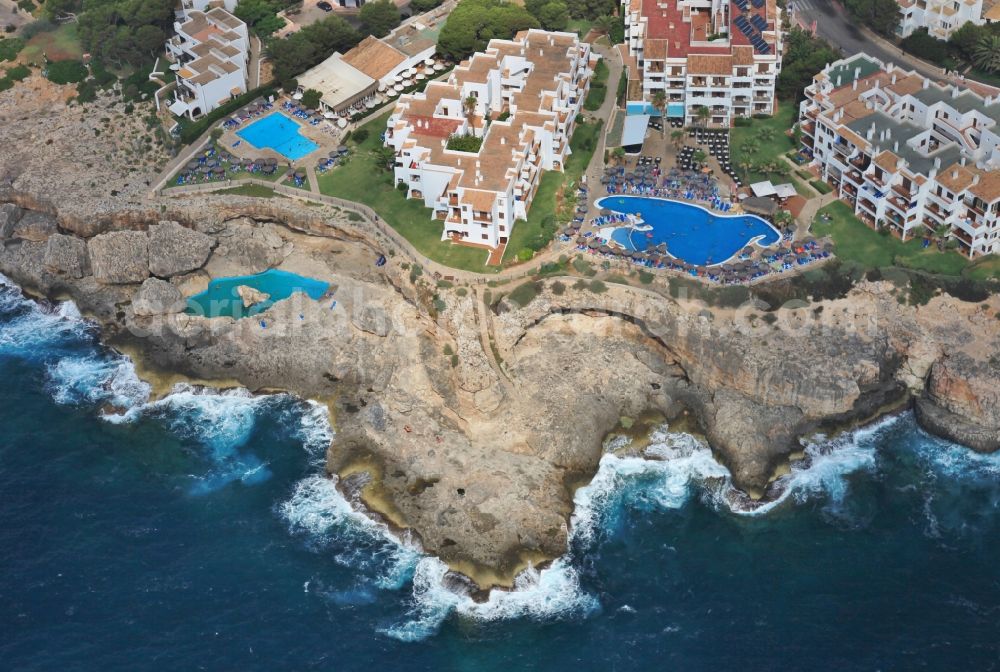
{"x": 310, "y": 45}
{"x": 378, "y": 18}
{"x": 805, "y": 55}
{"x": 421, "y": 6}
{"x": 121, "y": 32}
{"x": 882, "y": 16}
{"x": 473, "y": 23}
{"x": 920, "y": 42}
{"x": 591, "y": 9}
{"x": 261, "y": 15}
{"x": 311, "y": 98}
{"x": 552, "y": 14}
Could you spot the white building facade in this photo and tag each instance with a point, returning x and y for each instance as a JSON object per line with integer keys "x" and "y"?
{"x": 209, "y": 57}
{"x": 723, "y": 56}
{"x": 906, "y": 153}
{"x": 525, "y": 96}
{"x": 940, "y": 17}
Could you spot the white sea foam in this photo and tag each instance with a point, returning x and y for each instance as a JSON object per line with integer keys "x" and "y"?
{"x": 549, "y": 594}
{"x": 315, "y": 430}
{"x": 96, "y": 379}
{"x": 29, "y": 324}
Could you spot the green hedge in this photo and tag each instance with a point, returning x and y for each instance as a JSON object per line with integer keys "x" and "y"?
{"x": 10, "y": 47}
{"x": 192, "y": 130}
{"x": 821, "y": 186}
{"x": 66, "y": 72}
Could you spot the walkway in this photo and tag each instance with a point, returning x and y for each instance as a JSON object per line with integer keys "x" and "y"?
{"x": 313, "y": 182}
{"x": 596, "y": 166}
{"x": 485, "y": 336}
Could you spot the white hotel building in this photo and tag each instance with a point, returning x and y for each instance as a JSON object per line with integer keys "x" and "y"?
{"x": 905, "y": 152}
{"x": 720, "y": 54}
{"x": 528, "y": 93}
{"x": 940, "y": 17}
{"x": 209, "y": 56}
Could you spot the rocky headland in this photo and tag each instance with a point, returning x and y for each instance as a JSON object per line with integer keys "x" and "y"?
{"x": 468, "y": 420}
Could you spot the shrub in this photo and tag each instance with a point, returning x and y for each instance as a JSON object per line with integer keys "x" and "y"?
{"x": 18, "y": 73}
{"x": 402, "y": 187}
{"x": 67, "y": 72}
{"x": 645, "y": 277}
{"x": 741, "y": 122}
{"x": 37, "y": 28}
{"x": 597, "y": 287}
{"x": 525, "y": 254}
{"x": 821, "y": 186}
{"x": 461, "y": 291}
{"x": 311, "y": 98}
{"x": 360, "y": 135}
{"x": 465, "y": 143}
{"x": 454, "y": 361}
{"x": 558, "y": 288}
{"x": 10, "y": 47}
{"x": 525, "y": 294}
{"x": 86, "y": 92}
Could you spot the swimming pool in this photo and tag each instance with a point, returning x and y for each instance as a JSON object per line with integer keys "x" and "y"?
{"x": 221, "y": 299}
{"x": 691, "y": 232}
{"x": 280, "y": 133}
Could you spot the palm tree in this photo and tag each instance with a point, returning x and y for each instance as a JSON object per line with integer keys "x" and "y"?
{"x": 986, "y": 53}
{"x": 745, "y": 166}
{"x": 749, "y": 148}
{"x": 699, "y": 156}
{"x": 765, "y": 134}
{"x": 469, "y": 108}
{"x": 605, "y": 23}
{"x": 678, "y": 137}
{"x": 702, "y": 114}
{"x": 660, "y": 103}
{"x": 783, "y": 219}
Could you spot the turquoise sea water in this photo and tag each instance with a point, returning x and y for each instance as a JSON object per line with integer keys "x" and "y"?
{"x": 280, "y": 133}
{"x": 221, "y": 299}
{"x": 692, "y": 233}
{"x": 197, "y": 532}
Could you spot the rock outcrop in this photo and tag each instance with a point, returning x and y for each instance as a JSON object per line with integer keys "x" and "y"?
{"x": 119, "y": 257}
{"x": 157, "y": 297}
{"x": 67, "y": 255}
{"x": 471, "y": 426}
{"x": 175, "y": 249}
{"x": 250, "y": 296}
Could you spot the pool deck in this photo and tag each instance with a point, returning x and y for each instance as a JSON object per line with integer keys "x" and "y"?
{"x": 326, "y": 135}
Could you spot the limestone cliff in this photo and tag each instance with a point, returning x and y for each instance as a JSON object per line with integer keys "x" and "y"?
{"x": 476, "y": 422}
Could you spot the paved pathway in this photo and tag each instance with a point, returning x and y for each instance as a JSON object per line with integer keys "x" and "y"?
{"x": 596, "y": 166}
{"x": 313, "y": 182}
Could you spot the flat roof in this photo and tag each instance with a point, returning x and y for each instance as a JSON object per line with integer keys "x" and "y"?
{"x": 337, "y": 80}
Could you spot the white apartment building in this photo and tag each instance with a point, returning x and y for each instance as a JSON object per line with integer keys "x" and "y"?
{"x": 723, "y": 55}
{"x": 205, "y": 5}
{"x": 209, "y": 56}
{"x": 940, "y": 17}
{"x": 528, "y": 92}
{"x": 905, "y": 152}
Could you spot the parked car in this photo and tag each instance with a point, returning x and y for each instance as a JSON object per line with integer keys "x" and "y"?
{"x": 325, "y": 6}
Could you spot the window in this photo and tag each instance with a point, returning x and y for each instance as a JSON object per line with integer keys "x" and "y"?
{"x": 486, "y": 237}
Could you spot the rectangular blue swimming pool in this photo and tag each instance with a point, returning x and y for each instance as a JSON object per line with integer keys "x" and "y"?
{"x": 280, "y": 133}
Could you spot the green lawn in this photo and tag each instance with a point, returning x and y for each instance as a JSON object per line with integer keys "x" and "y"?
{"x": 361, "y": 180}
{"x": 61, "y": 44}
{"x": 598, "y": 88}
{"x": 768, "y": 151}
{"x": 543, "y": 207}
{"x": 856, "y": 242}
{"x": 251, "y": 190}
{"x": 985, "y": 268}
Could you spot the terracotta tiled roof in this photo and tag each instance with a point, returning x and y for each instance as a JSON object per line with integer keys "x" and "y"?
{"x": 956, "y": 178}
{"x": 988, "y": 188}
{"x": 709, "y": 65}
{"x": 887, "y": 161}
{"x": 374, "y": 57}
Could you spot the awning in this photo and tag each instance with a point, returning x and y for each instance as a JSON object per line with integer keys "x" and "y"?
{"x": 763, "y": 188}
{"x": 760, "y": 206}
{"x": 785, "y": 190}
{"x": 634, "y": 131}
{"x": 178, "y": 107}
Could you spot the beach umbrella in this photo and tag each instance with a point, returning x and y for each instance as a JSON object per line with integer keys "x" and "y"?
{"x": 605, "y": 212}
{"x": 438, "y": 67}
{"x": 747, "y": 250}
{"x": 329, "y": 115}
{"x": 342, "y": 123}
{"x": 410, "y": 72}
{"x": 271, "y": 161}
{"x": 297, "y": 96}
{"x": 429, "y": 61}
{"x": 398, "y": 87}
{"x": 828, "y": 246}
{"x": 398, "y": 78}
{"x": 420, "y": 76}
{"x": 604, "y": 249}
{"x": 594, "y": 243}
{"x": 192, "y": 165}
{"x": 382, "y": 87}
{"x": 219, "y": 170}
{"x": 299, "y": 174}
{"x": 407, "y": 82}
{"x": 270, "y": 169}
{"x": 342, "y": 149}
{"x": 204, "y": 169}
{"x": 580, "y": 240}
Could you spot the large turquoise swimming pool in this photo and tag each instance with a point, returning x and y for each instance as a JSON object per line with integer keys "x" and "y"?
{"x": 280, "y": 133}
{"x": 221, "y": 298}
{"x": 691, "y": 232}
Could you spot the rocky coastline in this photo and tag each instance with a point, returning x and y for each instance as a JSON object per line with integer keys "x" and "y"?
{"x": 467, "y": 420}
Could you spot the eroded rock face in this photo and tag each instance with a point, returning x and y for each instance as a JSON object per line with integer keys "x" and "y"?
{"x": 479, "y": 455}
{"x": 119, "y": 257}
{"x": 10, "y": 214}
{"x": 175, "y": 249}
{"x": 67, "y": 255}
{"x": 157, "y": 297}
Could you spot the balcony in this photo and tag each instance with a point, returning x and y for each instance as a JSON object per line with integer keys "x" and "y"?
{"x": 861, "y": 162}
{"x": 854, "y": 175}
{"x": 808, "y": 127}
{"x": 902, "y": 191}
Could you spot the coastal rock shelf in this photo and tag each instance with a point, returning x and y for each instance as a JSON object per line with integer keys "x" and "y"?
{"x": 469, "y": 426}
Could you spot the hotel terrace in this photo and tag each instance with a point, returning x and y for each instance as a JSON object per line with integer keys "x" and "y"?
{"x": 906, "y": 152}
{"x": 209, "y": 55}
{"x": 528, "y": 93}
{"x": 723, "y": 55}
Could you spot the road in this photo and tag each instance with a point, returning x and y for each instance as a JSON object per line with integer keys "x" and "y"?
{"x": 833, "y": 25}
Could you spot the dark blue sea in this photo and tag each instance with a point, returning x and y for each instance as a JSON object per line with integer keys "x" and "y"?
{"x": 197, "y": 533}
